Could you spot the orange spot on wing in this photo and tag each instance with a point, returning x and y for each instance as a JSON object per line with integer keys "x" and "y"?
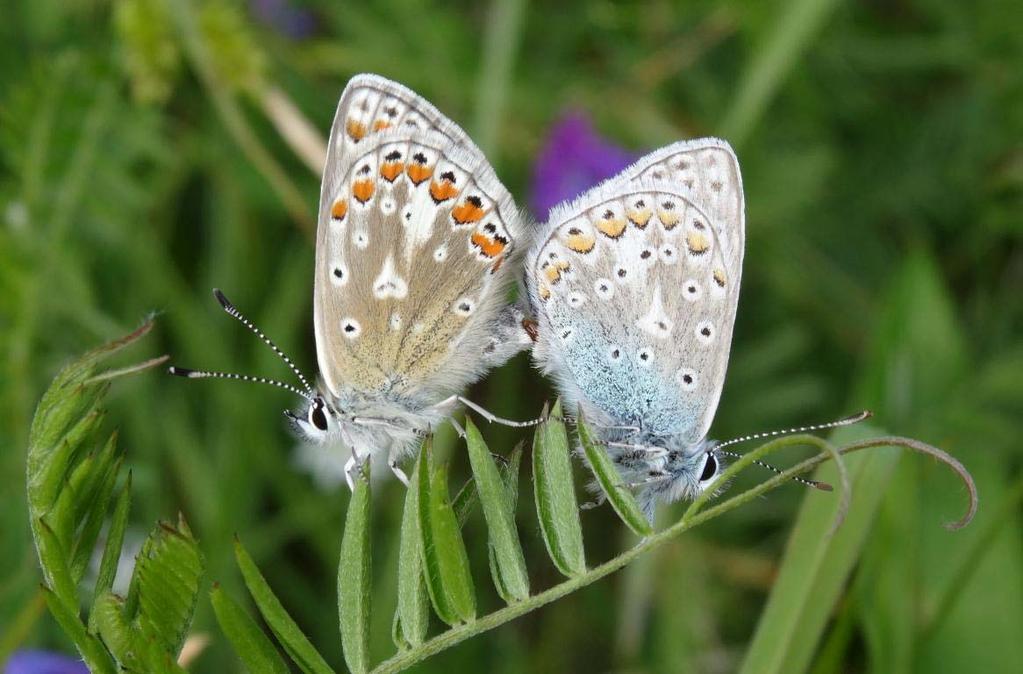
{"x": 381, "y": 124}
{"x": 489, "y": 246}
{"x": 669, "y": 218}
{"x": 363, "y": 190}
{"x": 339, "y": 209}
{"x": 611, "y": 227}
{"x": 419, "y": 172}
{"x": 580, "y": 243}
{"x": 391, "y": 170}
{"x": 640, "y": 218}
{"x": 356, "y": 130}
{"x": 443, "y": 190}
{"x": 697, "y": 243}
{"x": 467, "y": 212}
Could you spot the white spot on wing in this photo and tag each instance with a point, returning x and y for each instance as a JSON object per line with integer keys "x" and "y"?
{"x": 464, "y": 306}
{"x": 656, "y": 321}
{"x": 691, "y": 290}
{"x": 338, "y": 274}
{"x": 388, "y": 283}
{"x": 361, "y": 239}
{"x": 604, "y": 288}
{"x": 350, "y": 328}
{"x": 687, "y": 378}
{"x": 705, "y": 333}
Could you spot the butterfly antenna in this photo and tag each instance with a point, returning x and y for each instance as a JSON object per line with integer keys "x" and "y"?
{"x": 846, "y": 421}
{"x": 823, "y": 486}
{"x": 209, "y": 374}
{"x": 232, "y": 311}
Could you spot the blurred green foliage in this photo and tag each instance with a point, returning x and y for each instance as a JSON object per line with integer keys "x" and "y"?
{"x": 882, "y": 150}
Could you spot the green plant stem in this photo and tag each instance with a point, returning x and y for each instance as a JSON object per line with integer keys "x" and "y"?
{"x": 460, "y": 633}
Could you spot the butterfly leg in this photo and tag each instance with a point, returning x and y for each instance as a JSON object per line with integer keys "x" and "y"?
{"x": 351, "y": 465}
{"x": 392, "y": 463}
{"x": 487, "y": 414}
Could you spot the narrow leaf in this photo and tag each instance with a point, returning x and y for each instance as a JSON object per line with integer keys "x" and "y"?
{"x": 816, "y": 565}
{"x": 132, "y": 652}
{"x": 447, "y": 564}
{"x": 610, "y": 480}
{"x": 115, "y": 540}
{"x": 248, "y": 641}
{"x": 511, "y": 575}
{"x": 465, "y": 500}
{"x": 85, "y": 542}
{"x": 556, "y": 505}
{"x": 354, "y": 578}
{"x": 412, "y": 618}
{"x": 92, "y": 651}
{"x": 295, "y": 643}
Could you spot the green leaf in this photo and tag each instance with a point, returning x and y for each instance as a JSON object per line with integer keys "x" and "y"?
{"x": 816, "y": 566}
{"x": 93, "y": 653}
{"x": 511, "y": 578}
{"x": 165, "y": 585}
{"x": 412, "y": 617}
{"x": 619, "y": 496}
{"x": 556, "y": 505}
{"x": 354, "y": 577}
{"x": 248, "y": 641}
{"x": 295, "y": 643}
{"x": 510, "y": 477}
{"x": 133, "y": 652}
{"x": 447, "y": 564}
{"x": 113, "y": 545}
{"x": 465, "y": 500}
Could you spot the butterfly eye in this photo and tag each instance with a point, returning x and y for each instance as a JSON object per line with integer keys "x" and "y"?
{"x": 710, "y": 469}
{"x": 317, "y": 417}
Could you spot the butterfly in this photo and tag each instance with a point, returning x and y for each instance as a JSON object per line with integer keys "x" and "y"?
{"x": 417, "y": 241}
{"x": 634, "y": 287}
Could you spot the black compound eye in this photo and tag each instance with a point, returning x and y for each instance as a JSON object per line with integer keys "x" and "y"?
{"x": 317, "y": 416}
{"x": 710, "y": 469}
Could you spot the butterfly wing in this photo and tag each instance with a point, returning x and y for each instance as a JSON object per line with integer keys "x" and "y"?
{"x": 413, "y": 237}
{"x": 707, "y": 171}
{"x": 635, "y": 287}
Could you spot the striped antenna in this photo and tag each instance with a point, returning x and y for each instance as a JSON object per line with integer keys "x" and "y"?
{"x": 823, "y": 486}
{"x": 846, "y": 421}
{"x": 232, "y": 311}
{"x": 210, "y": 374}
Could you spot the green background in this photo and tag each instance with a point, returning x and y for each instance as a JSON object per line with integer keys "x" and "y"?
{"x": 881, "y": 145}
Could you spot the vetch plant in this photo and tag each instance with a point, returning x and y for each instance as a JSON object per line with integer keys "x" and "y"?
{"x": 73, "y": 490}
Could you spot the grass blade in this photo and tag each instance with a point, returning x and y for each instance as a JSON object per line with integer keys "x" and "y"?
{"x": 248, "y": 641}
{"x": 620, "y": 497}
{"x": 816, "y": 566}
{"x": 295, "y": 643}
{"x": 354, "y": 578}
{"x": 511, "y": 576}
{"x": 554, "y": 491}
{"x": 444, "y": 557}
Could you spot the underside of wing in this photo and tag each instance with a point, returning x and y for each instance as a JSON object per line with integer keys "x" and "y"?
{"x": 707, "y": 173}
{"x": 371, "y": 104}
{"x": 635, "y": 300}
{"x": 411, "y": 269}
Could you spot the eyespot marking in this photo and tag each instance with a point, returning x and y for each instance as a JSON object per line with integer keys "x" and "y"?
{"x": 350, "y": 328}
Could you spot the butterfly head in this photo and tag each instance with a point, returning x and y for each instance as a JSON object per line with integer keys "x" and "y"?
{"x": 317, "y": 421}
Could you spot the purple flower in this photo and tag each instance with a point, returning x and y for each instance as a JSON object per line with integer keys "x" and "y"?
{"x": 43, "y": 662}
{"x": 574, "y": 159}
{"x": 294, "y": 22}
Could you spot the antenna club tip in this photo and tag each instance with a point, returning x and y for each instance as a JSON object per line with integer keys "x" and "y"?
{"x": 179, "y": 371}
{"x": 823, "y": 486}
{"x": 224, "y": 302}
